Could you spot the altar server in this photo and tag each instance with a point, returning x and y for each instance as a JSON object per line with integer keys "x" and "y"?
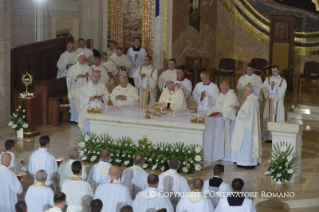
{"x": 39, "y": 197}
{"x": 83, "y": 50}
{"x": 152, "y": 199}
{"x": 93, "y": 95}
{"x": 9, "y": 184}
{"x": 246, "y": 140}
{"x": 216, "y": 186}
{"x": 79, "y": 193}
{"x": 135, "y": 177}
{"x": 136, "y": 55}
{"x": 66, "y": 60}
{"x": 195, "y": 200}
{"x": 124, "y": 94}
{"x": 112, "y": 48}
{"x": 59, "y": 202}
{"x": 112, "y": 71}
{"x": 167, "y": 75}
{"x": 65, "y": 170}
{"x": 120, "y": 193}
{"x": 251, "y": 78}
{"x": 99, "y": 173}
{"x": 173, "y": 97}
{"x": 15, "y": 165}
{"x": 76, "y": 79}
{"x": 42, "y": 159}
{"x": 146, "y": 75}
{"x": 122, "y": 62}
{"x": 205, "y": 94}
{"x": 225, "y": 102}
{"x": 237, "y": 201}
{"x": 274, "y": 89}
{"x": 171, "y": 181}
{"x": 98, "y": 67}
{"x": 184, "y": 83}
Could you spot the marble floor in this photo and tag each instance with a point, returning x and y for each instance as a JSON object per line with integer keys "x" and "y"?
{"x": 305, "y": 186}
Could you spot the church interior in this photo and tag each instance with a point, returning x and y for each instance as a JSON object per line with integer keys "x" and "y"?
{"x": 198, "y": 35}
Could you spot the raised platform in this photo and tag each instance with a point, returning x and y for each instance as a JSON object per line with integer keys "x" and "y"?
{"x": 304, "y": 112}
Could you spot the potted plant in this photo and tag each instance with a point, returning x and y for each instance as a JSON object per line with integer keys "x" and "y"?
{"x": 18, "y": 121}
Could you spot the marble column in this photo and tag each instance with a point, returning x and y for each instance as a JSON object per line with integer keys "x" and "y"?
{"x": 5, "y": 10}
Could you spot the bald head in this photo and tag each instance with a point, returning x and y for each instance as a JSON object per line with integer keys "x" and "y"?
{"x": 224, "y": 87}
{"x": 114, "y": 172}
{"x": 6, "y": 159}
{"x": 139, "y": 160}
{"x": 198, "y": 184}
{"x": 123, "y": 81}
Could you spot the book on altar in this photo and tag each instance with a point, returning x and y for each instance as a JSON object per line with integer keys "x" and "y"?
{"x": 213, "y": 114}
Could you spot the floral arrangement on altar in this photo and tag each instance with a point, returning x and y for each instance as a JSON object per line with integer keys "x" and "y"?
{"x": 18, "y": 120}
{"x": 282, "y": 164}
{"x": 156, "y": 156}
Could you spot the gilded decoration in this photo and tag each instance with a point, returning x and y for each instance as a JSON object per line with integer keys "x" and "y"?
{"x": 148, "y": 26}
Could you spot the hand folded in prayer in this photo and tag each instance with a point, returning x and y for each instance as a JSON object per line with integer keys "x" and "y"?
{"x": 99, "y": 98}
{"x": 273, "y": 84}
{"x": 203, "y": 94}
{"x": 143, "y": 76}
{"x": 236, "y": 108}
{"x": 136, "y": 55}
{"x": 86, "y": 74}
{"x": 120, "y": 97}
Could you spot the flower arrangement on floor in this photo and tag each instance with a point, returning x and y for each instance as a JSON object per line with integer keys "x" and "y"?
{"x": 282, "y": 164}
{"x": 18, "y": 120}
{"x": 156, "y": 156}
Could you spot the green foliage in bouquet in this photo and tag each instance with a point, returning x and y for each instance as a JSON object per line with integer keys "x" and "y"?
{"x": 156, "y": 156}
{"x": 283, "y": 163}
{"x": 18, "y": 120}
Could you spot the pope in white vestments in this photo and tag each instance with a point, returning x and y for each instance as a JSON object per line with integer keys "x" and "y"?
{"x": 224, "y": 105}
{"x": 112, "y": 71}
{"x": 167, "y": 75}
{"x": 66, "y": 60}
{"x": 124, "y": 94}
{"x": 98, "y": 67}
{"x": 84, "y": 50}
{"x": 274, "y": 89}
{"x": 79, "y": 193}
{"x": 205, "y": 94}
{"x": 146, "y": 75}
{"x": 152, "y": 199}
{"x": 10, "y": 186}
{"x": 75, "y": 80}
{"x": 122, "y": 62}
{"x": 195, "y": 201}
{"x": 39, "y": 197}
{"x": 173, "y": 97}
{"x": 184, "y": 83}
{"x": 112, "y": 193}
{"x": 246, "y": 140}
{"x": 251, "y": 78}
{"x": 93, "y": 95}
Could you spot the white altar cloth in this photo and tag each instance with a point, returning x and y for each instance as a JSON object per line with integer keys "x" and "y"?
{"x": 168, "y": 129}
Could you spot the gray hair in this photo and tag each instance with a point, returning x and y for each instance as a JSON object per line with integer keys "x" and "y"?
{"x": 81, "y": 54}
{"x": 104, "y": 54}
{"x": 139, "y": 159}
{"x": 119, "y": 48}
{"x": 41, "y": 175}
{"x": 249, "y": 87}
{"x": 204, "y": 72}
{"x": 170, "y": 82}
{"x": 73, "y": 153}
{"x": 226, "y": 83}
{"x": 69, "y": 43}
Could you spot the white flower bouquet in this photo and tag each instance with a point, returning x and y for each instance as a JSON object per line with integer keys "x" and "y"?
{"x": 18, "y": 120}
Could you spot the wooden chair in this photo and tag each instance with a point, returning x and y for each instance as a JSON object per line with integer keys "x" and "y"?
{"x": 311, "y": 71}
{"x": 260, "y": 66}
{"x": 227, "y": 64}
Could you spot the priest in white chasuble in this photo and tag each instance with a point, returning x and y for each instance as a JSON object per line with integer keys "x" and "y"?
{"x": 111, "y": 49}
{"x": 75, "y": 80}
{"x": 9, "y": 184}
{"x": 79, "y": 193}
{"x": 195, "y": 200}
{"x": 184, "y": 83}
{"x": 224, "y": 105}
{"x": 167, "y": 75}
{"x": 122, "y": 62}
{"x": 152, "y": 199}
{"x": 124, "y": 94}
{"x": 39, "y": 197}
{"x": 205, "y": 94}
{"x": 15, "y": 165}
{"x": 146, "y": 75}
{"x": 93, "y": 95}
{"x": 274, "y": 89}
{"x": 66, "y": 60}
{"x": 112, "y": 71}
{"x": 99, "y": 173}
{"x": 136, "y": 56}
{"x": 251, "y": 78}
{"x": 173, "y": 97}
{"x": 84, "y": 50}
{"x": 112, "y": 193}
{"x": 98, "y": 67}
{"x": 246, "y": 139}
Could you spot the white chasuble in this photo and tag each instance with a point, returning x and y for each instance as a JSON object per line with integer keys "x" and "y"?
{"x": 186, "y": 85}
{"x": 88, "y": 54}
{"x": 166, "y": 76}
{"x": 99, "y": 174}
{"x": 103, "y": 73}
{"x": 255, "y": 81}
{"x": 175, "y": 98}
{"x": 131, "y": 96}
{"x": 39, "y": 197}
{"x": 66, "y": 58}
{"x": 149, "y": 79}
{"x": 15, "y": 164}
{"x": 206, "y": 103}
{"x": 274, "y": 110}
{"x": 111, "y": 69}
{"x": 194, "y": 202}
{"x": 135, "y": 62}
{"x": 121, "y": 61}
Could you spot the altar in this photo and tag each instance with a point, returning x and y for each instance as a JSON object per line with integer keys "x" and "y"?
{"x": 167, "y": 129}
